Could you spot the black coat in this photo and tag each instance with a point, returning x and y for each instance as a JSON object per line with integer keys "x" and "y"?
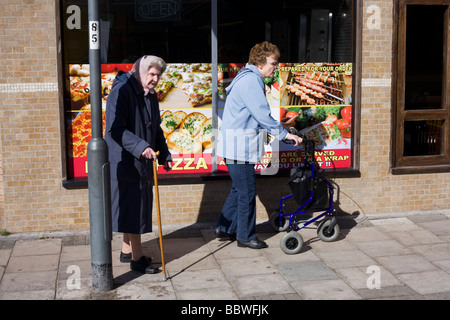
{"x": 132, "y": 125}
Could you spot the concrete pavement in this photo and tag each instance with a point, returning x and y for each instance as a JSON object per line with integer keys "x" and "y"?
{"x": 403, "y": 256}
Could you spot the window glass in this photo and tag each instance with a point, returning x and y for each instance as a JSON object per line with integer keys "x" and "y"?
{"x": 315, "y": 39}
{"x": 424, "y": 57}
{"x": 423, "y": 137}
{"x": 421, "y": 113}
{"x": 312, "y": 89}
{"x": 177, "y": 30}
{"x": 304, "y": 31}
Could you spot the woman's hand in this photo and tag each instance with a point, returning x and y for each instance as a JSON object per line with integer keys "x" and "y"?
{"x": 149, "y": 153}
{"x": 293, "y": 137}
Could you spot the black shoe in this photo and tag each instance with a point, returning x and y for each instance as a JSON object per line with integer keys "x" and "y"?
{"x": 253, "y": 244}
{"x": 126, "y": 257}
{"x": 223, "y": 236}
{"x": 143, "y": 266}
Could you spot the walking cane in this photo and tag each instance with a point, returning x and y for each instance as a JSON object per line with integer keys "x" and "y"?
{"x": 155, "y": 177}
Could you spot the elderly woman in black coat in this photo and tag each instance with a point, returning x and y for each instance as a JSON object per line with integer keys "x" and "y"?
{"x": 133, "y": 136}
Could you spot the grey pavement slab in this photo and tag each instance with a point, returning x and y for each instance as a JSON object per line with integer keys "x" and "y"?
{"x": 4, "y": 256}
{"x": 307, "y": 270}
{"x": 261, "y": 285}
{"x": 427, "y": 282}
{"x": 33, "y": 263}
{"x": 440, "y": 228}
{"x": 383, "y": 248}
{"x": 389, "y": 292}
{"x": 37, "y": 247}
{"x": 330, "y": 289}
{"x": 406, "y": 264}
{"x": 29, "y": 281}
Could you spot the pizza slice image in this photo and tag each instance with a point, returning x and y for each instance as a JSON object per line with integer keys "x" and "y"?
{"x": 165, "y": 84}
{"x": 80, "y": 88}
{"x": 181, "y": 142}
{"x": 192, "y": 123}
{"x": 171, "y": 120}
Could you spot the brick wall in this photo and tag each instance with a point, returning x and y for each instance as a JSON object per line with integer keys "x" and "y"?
{"x": 31, "y": 194}
{"x": 33, "y": 197}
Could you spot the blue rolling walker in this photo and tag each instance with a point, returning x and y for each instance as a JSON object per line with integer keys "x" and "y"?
{"x": 313, "y": 193}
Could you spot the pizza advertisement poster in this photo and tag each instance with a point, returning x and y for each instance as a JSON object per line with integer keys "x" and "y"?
{"x": 78, "y": 112}
{"x": 316, "y": 100}
{"x": 313, "y": 98}
{"x": 189, "y": 135}
{"x": 185, "y": 101}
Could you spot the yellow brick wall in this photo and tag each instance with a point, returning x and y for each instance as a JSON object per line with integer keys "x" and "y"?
{"x": 31, "y": 194}
{"x": 30, "y": 141}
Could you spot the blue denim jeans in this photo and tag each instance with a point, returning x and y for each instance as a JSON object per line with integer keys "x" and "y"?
{"x": 239, "y": 211}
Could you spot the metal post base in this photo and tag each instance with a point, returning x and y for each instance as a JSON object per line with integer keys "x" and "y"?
{"x": 102, "y": 277}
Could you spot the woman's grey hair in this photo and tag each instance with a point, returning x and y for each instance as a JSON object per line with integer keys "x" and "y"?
{"x": 154, "y": 61}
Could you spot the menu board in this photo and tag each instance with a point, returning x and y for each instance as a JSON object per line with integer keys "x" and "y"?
{"x": 314, "y": 98}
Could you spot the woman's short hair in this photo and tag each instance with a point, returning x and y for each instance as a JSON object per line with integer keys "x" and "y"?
{"x": 259, "y": 53}
{"x": 157, "y": 62}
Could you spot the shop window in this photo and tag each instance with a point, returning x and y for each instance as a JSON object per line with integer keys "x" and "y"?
{"x": 317, "y": 41}
{"x": 178, "y": 30}
{"x": 304, "y": 31}
{"x": 422, "y": 111}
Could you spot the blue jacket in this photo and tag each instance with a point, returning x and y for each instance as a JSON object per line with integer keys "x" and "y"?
{"x": 247, "y": 118}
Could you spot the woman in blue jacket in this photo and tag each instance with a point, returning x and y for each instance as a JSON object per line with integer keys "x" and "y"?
{"x": 246, "y": 118}
{"x": 133, "y": 135}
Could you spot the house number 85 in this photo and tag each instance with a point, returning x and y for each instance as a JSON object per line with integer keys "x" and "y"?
{"x": 94, "y": 35}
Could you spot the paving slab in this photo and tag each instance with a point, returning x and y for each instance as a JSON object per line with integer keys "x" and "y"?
{"x": 427, "y": 282}
{"x": 358, "y": 277}
{"x": 70, "y": 290}
{"x": 29, "y": 281}
{"x": 366, "y": 234}
{"x": 443, "y": 264}
{"x": 28, "y": 295}
{"x": 383, "y": 248}
{"x": 199, "y": 279}
{"x": 395, "y": 224}
{"x": 261, "y": 285}
{"x": 208, "y": 294}
{"x": 4, "y": 256}
{"x": 346, "y": 258}
{"x": 33, "y": 263}
{"x": 440, "y": 228}
{"x": 416, "y": 237}
{"x": 37, "y": 247}
{"x": 276, "y": 255}
{"x": 76, "y": 253}
{"x": 433, "y": 252}
{"x": 307, "y": 270}
{"x": 389, "y": 292}
{"x": 146, "y": 291}
{"x": 335, "y": 289}
{"x": 237, "y": 267}
{"x": 190, "y": 261}
{"x": 406, "y": 264}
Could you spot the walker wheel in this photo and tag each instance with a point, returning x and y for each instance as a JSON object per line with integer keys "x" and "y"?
{"x": 325, "y": 233}
{"x": 274, "y": 221}
{"x": 291, "y": 243}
